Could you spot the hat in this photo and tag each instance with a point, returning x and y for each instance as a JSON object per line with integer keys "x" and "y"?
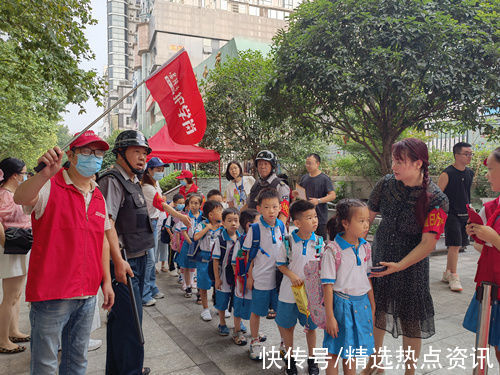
{"x": 184, "y": 174}
{"x": 87, "y": 138}
{"x": 156, "y": 162}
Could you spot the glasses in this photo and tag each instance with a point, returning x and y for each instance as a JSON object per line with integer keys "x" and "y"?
{"x": 88, "y": 151}
{"x": 468, "y": 154}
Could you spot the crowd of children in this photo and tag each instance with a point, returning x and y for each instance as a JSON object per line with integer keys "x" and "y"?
{"x": 255, "y": 264}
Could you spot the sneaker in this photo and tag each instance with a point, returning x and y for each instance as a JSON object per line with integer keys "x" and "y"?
{"x": 180, "y": 279}
{"x": 205, "y": 315}
{"x": 172, "y": 273}
{"x": 290, "y": 368}
{"x": 239, "y": 339}
{"x": 312, "y": 367}
{"x": 243, "y": 328}
{"x": 454, "y": 283}
{"x": 189, "y": 293}
{"x": 262, "y": 337}
{"x": 446, "y": 276}
{"x": 255, "y": 350}
{"x": 159, "y": 295}
{"x": 150, "y": 303}
{"x": 223, "y": 330}
{"x": 227, "y": 314}
{"x": 94, "y": 344}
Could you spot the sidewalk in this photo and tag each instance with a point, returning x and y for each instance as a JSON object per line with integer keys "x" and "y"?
{"x": 179, "y": 342}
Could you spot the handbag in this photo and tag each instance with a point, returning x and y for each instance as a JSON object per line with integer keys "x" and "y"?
{"x": 18, "y": 241}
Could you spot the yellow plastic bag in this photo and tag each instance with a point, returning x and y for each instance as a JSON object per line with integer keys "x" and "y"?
{"x": 299, "y": 292}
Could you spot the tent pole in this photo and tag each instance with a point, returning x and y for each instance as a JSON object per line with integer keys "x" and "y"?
{"x": 220, "y": 182}
{"x": 195, "y": 174}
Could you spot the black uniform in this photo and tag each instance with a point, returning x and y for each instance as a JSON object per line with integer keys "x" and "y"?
{"x": 458, "y": 193}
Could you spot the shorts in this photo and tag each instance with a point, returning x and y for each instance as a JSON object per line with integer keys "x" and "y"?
{"x": 454, "y": 230}
{"x": 472, "y": 317}
{"x": 262, "y": 300}
{"x": 202, "y": 279}
{"x": 288, "y": 314}
{"x": 222, "y": 300}
{"x": 183, "y": 260}
{"x": 242, "y": 308}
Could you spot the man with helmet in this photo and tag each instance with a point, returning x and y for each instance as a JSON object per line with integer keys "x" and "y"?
{"x": 266, "y": 163}
{"x": 128, "y": 214}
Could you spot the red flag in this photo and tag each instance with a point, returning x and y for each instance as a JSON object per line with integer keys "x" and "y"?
{"x": 158, "y": 202}
{"x": 175, "y": 90}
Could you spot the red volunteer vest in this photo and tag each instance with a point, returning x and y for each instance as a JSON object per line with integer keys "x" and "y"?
{"x": 66, "y": 256}
{"x": 488, "y": 265}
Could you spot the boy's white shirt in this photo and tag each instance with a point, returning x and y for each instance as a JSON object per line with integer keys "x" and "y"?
{"x": 296, "y": 262}
{"x": 350, "y": 278}
{"x": 237, "y": 290}
{"x": 225, "y": 287}
{"x": 208, "y": 240}
{"x": 264, "y": 266}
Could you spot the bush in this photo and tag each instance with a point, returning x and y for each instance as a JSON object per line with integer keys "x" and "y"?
{"x": 169, "y": 181}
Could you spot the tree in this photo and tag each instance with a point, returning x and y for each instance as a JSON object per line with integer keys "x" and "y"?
{"x": 41, "y": 45}
{"x": 232, "y": 93}
{"x": 369, "y": 69}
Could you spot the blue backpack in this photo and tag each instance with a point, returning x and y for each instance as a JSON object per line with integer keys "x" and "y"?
{"x": 229, "y": 268}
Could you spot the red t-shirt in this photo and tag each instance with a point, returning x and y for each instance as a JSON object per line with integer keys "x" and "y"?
{"x": 192, "y": 189}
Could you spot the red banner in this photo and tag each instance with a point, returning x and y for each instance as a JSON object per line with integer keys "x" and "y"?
{"x": 175, "y": 90}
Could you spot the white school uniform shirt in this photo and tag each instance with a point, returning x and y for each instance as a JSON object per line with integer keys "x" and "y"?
{"x": 179, "y": 226}
{"x": 208, "y": 240}
{"x": 216, "y": 254}
{"x": 237, "y": 289}
{"x": 264, "y": 266}
{"x": 300, "y": 253}
{"x": 352, "y": 276}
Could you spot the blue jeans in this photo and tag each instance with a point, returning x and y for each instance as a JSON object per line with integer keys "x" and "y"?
{"x": 125, "y": 353}
{"x": 150, "y": 288}
{"x": 60, "y": 323}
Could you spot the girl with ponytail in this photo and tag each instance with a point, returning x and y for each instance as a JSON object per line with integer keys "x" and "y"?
{"x": 413, "y": 211}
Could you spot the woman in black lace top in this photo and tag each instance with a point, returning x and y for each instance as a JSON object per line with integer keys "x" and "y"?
{"x": 413, "y": 211}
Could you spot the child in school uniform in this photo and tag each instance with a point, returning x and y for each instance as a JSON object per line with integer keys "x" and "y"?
{"x": 193, "y": 202}
{"x": 242, "y": 296}
{"x": 221, "y": 259}
{"x": 174, "y": 246}
{"x": 261, "y": 276}
{"x": 303, "y": 246}
{"x": 348, "y": 294}
{"x": 206, "y": 233}
{"x": 488, "y": 266}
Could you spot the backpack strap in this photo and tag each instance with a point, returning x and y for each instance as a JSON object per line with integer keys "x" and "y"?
{"x": 336, "y": 253}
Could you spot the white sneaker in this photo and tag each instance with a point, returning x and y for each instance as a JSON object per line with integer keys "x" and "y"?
{"x": 206, "y": 316}
{"x": 446, "y": 276}
{"x": 173, "y": 273}
{"x": 159, "y": 295}
{"x": 255, "y": 350}
{"x": 227, "y": 314}
{"x": 455, "y": 284}
{"x": 151, "y": 302}
{"x": 94, "y": 344}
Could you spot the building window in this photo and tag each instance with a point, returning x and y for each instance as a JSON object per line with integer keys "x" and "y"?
{"x": 223, "y": 4}
{"x": 253, "y": 11}
{"x": 288, "y": 4}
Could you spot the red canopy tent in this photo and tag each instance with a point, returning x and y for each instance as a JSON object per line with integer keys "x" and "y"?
{"x": 170, "y": 152}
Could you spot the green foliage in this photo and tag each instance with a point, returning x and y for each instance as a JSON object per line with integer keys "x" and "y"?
{"x": 109, "y": 157}
{"x": 232, "y": 93}
{"x": 41, "y": 45}
{"x": 370, "y": 69}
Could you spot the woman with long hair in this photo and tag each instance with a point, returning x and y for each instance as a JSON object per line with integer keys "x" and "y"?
{"x": 413, "y": 211}
{"x": 13, "y": 268}
{"x": 238, "y": 189}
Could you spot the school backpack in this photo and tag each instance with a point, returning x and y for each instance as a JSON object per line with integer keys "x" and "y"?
{"x": 244, "y": 258}
{"x": 228, "y": 270}
{"x": 164, "y": 236}
{"x": 194, "y": 246}
{"x": 312, "y": 283}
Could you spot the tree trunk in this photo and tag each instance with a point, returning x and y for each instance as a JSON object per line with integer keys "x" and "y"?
{"x": 386, "y": 157}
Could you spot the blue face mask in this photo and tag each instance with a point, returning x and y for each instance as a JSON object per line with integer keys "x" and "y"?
{"x": 180, "y": 207}
{"x": 88, "y": 165}
{"x": 158, "y": 176}
{"x": 25, "y": 177}
{"x": 183, "y": 182}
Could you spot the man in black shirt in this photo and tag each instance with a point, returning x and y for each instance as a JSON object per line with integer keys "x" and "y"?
{"x": 319, "y": 190}
{"x": 455, "y": 182}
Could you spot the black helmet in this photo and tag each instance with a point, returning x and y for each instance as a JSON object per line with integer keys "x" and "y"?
{"x": 129, "y": 138}
{"x": 267, "y": 156}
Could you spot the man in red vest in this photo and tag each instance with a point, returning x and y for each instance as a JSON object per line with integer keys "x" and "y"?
{"x": 70, "y": 255}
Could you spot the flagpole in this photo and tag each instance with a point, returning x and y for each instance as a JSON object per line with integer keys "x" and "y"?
{"x": 40, "y": 166}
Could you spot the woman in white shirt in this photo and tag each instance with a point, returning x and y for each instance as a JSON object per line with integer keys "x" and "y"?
{"x": 238, "y": 189}
{"x": 151, "y": 187}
